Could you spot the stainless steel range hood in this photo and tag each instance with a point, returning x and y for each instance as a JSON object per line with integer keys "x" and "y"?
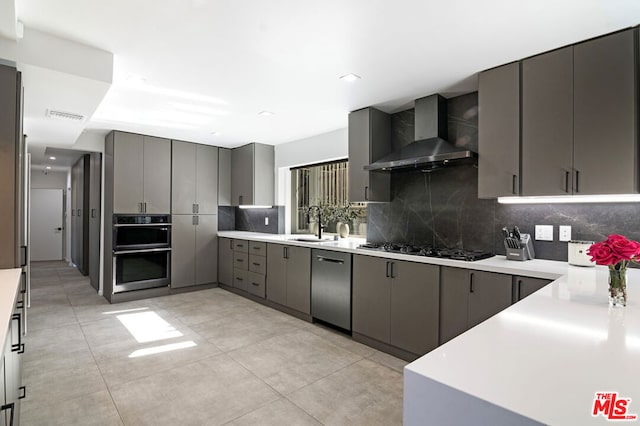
{"x": 430, "y": 149}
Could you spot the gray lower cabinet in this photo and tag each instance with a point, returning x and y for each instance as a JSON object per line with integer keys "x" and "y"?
{"x": 225, "y": 261}
{"x": 499, "y": 131}
{"x": 396, "y": 302}
{"x": 141, "y": 173}
{"x": 289, "y": 276}
{"x": 525, "y": 286}
{"x": 469, "y": 297}
{"x": 194, "y": 178}
{"x": 11, "y": 368}
{"x": 252, "y": 175}
{"x": 369, "y": 140}
{"x": 194, "y": 247}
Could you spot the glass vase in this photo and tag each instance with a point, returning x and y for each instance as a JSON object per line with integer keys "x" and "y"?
{"x": 618, "y": 287}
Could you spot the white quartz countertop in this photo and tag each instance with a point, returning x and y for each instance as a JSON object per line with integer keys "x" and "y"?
{"x": 544, "y": 357}
{"x": 548, "y": 269}
{"x": 9, "y": 285}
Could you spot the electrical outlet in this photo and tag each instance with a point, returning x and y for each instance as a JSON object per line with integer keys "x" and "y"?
{"x": 564, "y": 233}
{"x": 544, "y": 232}
{"x": 266, "y": 221}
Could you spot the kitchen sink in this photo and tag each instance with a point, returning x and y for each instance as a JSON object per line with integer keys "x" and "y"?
{"x": 310, "y": 240}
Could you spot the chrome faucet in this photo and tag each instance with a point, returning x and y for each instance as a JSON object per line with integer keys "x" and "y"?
{"x": 319, "y": 219}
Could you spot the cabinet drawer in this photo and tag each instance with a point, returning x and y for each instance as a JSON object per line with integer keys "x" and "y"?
{"x": 241, "y": 246}
{"x": 240, "y": 278}
{"x": 255, "y": 284}
{"x": 241, "y": 261}
{"x": 258, "y": 248}
{"x": 257, "y": 264}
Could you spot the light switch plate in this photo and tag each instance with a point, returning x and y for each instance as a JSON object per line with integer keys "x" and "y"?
{"x": 544, "y": 232}
{"x": 564, "y": 233}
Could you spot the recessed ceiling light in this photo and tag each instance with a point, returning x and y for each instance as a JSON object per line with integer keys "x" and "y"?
{"x": 48, "y": 167}
{"x": 350, "y": 77}
{"x": 266, "y": 113}
{"x": 215, "y": 133}
{"x": 52, "y": 158}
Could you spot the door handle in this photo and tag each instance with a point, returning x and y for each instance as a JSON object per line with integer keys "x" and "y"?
{"x": 330, "y": 260}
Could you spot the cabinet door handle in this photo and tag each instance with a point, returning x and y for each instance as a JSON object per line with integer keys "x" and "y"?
{"x": 193, "y": 208}
{"x": 577, "y": 181}
{"x": 197, "y": 208}
{"x": 18, "y": 347}
{"x": 231, "y": 244}
{"x": 10, "y": 406}
{"x": 286, "y": 252}
{"x": 387, "y": 271}
{"x": 196, "y": 220}
{"x": 256, "y": 264}
{"x": 471, "y": 282}
{"x": 256, "y": 284}
{"x": 393, "y": 267}
{"x": 240, "y": 260}
{"x": 240, "y": 200}
{"x": 145, "y": 206}
{"x": 366, "y": 193}
{"x": 566, "y": 181}
{"x": 256, "y": 248}
{"x": 514, "y": 184}
{"x": 239, "y": 279}
{"x": 24, "y": 392}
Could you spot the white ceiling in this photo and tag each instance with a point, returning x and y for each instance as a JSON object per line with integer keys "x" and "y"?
{"x": 186, "y": 68}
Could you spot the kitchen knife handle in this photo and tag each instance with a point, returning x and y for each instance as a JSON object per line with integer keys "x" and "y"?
{"x": 514, "y": 184}
{"x": 566, "y": 181}
{"x": 471, "y": 282}
{"x": 577, "y": 181}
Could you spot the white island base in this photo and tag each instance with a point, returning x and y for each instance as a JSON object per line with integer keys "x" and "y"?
{"x": 540, "y": 361}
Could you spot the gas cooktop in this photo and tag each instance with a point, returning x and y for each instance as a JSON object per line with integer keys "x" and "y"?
{"x": 429, "y": 251}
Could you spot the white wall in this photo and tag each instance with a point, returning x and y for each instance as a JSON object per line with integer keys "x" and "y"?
{"x": 316, "y": 149}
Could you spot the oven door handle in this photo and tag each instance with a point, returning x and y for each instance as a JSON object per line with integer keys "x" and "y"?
{"x": 129, "y": 225}
{"x": 115, "y": 253}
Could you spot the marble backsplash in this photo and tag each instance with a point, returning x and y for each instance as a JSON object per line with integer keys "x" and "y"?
{"x": 442, "y": 208}
{"x": 235, "y": 218}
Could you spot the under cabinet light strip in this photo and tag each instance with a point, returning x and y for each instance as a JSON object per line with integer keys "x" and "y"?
{"x": 254, "y": 207}
{"x": 613, "y": 198}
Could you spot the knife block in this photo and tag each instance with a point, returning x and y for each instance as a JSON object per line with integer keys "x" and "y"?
{"x": 525, "y": 252}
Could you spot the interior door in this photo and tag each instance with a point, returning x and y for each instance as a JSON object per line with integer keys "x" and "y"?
{"x": 46, "y": 224}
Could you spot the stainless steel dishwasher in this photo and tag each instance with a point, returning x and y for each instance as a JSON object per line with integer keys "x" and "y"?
{"x": 331, "y": 287}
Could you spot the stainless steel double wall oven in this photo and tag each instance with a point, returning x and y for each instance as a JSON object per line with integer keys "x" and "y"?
{"x": 141, "y": 251}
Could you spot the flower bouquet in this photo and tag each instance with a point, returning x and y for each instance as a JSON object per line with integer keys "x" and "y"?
{"x": 616, "y": 252}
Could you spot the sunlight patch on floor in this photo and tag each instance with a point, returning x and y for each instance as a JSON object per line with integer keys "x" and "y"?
{"x": 148, "y": 327}
{"x": 163, "y": 348}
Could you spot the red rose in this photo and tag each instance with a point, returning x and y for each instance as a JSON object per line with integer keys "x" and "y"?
{"x": 624, "y": 248}
{"x": 602, "y": 254}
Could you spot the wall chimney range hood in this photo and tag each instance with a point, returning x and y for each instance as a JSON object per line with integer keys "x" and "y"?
{"x": 430, "y": 150}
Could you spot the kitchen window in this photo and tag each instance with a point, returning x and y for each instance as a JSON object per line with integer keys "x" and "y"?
{"x": 324, "y": 185}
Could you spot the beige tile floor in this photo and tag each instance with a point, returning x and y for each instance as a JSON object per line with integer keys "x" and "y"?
{"x": 202, "y": 358}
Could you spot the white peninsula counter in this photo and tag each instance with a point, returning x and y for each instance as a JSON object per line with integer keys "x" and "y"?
{"x": 542, "y": 360}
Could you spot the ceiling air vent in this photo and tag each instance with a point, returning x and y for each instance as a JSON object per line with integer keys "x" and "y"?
{"x": 64, "y": 115}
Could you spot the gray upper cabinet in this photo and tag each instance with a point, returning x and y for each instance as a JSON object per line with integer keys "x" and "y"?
{"x": 369, "y": 140}
{"x": 224, "y": 177}
{"x": 128, "y": 175}
{"x": 157, "y": 175}
{"x": 194, "y": 179}
{"x": 547, "y": 123}
{"x": 499, "y": 132}
{"x": 605, "y": 90}
{"x": 141, "y": 173}
{"x": 252, "y": 175}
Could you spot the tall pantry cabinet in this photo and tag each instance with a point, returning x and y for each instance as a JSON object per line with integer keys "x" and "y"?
{"x": 194, "y": 208}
